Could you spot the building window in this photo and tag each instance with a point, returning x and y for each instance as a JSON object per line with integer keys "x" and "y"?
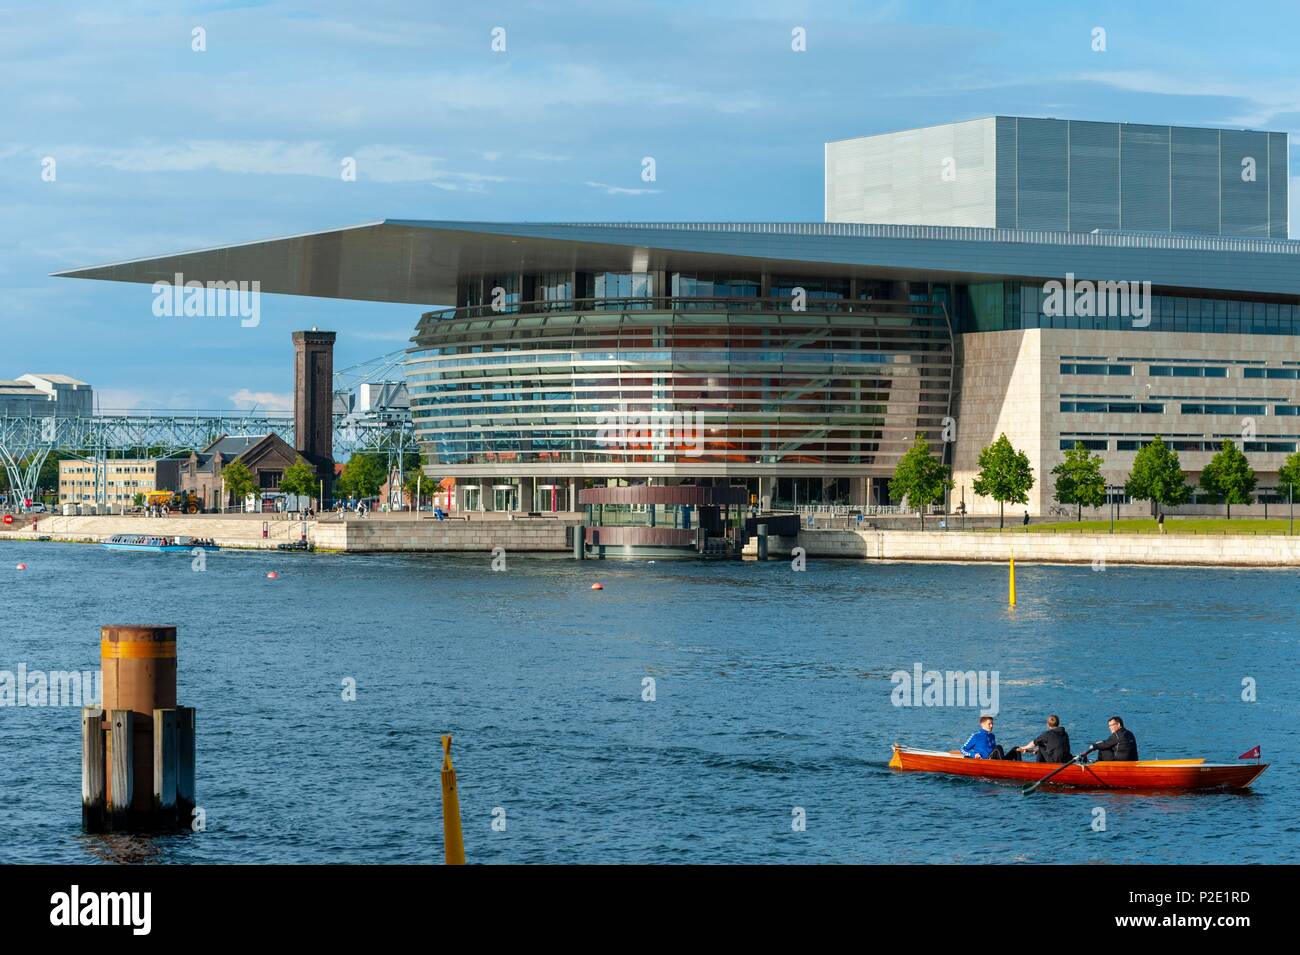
{"x": 269, "y": 480}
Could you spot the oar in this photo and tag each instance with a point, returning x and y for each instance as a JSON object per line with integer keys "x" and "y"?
{"x": 1027, "y": 789}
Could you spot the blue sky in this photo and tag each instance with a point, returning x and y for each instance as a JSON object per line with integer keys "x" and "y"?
{"x": 159, "y": 148}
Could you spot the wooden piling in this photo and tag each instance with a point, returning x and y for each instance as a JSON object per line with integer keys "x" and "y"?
{"x": 166, "y": 758}
{"x": 93, "y": 784}
{"x": 184, "y": 764}
{"x": 121, "y": 775}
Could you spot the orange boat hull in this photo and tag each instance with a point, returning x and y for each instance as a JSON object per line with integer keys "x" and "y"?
{"x": 1148, "y": 774}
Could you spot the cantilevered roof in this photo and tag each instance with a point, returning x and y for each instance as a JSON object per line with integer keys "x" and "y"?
{"x": 419, "y": 262}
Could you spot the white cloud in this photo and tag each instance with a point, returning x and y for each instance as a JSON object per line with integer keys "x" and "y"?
{"x": 620, "y": 190}
{"x": 262, "y": 400}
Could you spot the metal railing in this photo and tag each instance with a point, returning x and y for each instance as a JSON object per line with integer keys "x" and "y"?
{"x": 683, "y": 303}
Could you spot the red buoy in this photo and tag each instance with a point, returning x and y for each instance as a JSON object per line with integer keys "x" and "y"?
{"x": 272, "y": 575}
{"x": 22, "y": 566}
{"x": 597, "y": 586}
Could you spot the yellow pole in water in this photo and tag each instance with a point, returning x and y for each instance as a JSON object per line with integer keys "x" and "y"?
{"x": 451, "y": 835}
{"x": 1011, "y": 592}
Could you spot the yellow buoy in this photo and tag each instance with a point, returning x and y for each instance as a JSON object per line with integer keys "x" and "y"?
{"x": 451, "y": 834}
{"x": 1011, "y": 584}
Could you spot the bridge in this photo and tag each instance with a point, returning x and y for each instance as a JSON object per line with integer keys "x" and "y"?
{"x": 26, "y": 441}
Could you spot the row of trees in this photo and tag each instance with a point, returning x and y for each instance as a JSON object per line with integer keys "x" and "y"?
{"x": 1157, "y": 476}
{"x": 1004, "y": 475}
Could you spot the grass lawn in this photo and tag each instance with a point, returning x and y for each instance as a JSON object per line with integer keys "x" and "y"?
{"x": 1173, "y": 525}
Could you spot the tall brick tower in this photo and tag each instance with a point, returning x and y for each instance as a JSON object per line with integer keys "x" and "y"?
{"x": 313, "y": 400}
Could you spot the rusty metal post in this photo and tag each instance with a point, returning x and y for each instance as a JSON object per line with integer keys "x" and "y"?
{"x": 139, "y": 664}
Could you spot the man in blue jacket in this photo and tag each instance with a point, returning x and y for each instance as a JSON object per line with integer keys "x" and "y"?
{"x": 982, "y": 743}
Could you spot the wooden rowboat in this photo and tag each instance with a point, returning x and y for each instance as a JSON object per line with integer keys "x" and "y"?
{"x": 1144, "y": 774}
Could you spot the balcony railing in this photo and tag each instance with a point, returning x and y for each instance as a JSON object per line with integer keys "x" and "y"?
{"x": 670, "y": 303}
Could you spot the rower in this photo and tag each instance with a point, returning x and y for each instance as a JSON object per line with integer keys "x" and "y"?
{"x": 1120, "y": 746}
{"x": 1052, "y": 745}
{"x": 982, "y": 743}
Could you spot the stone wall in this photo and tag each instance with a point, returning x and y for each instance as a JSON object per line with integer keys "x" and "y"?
{"x": 354, "y": 536}
{"x": 370, "y": 536}
{"x": 1196, "y": 550}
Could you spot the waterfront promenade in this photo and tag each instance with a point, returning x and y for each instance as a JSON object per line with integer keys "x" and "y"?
{"x": 403, "y": 533}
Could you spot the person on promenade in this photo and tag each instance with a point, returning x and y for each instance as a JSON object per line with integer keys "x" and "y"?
{"x": 1120, "y": 746}
{"x": 1052, "y": 745}
{"x": 982, "y": 743}
{"x": 1160, "y": 521}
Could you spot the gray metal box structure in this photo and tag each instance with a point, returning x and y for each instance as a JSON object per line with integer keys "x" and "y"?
{"x": 1014, "y": 172}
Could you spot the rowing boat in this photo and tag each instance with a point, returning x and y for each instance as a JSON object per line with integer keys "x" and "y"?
{"x": 1143, "y": 774}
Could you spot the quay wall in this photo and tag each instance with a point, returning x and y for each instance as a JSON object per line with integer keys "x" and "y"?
{"x": 1208, "y": 550}
{"x": 369, "y": 535}
{"x": 397, "y": 534}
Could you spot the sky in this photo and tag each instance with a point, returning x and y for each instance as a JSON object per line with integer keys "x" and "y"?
{"x": 159, "y": 147}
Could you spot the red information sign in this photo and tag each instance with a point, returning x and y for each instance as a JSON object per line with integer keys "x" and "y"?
{"x": 9, "y": 518}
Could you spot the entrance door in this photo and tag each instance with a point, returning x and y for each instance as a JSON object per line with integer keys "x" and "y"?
{"x": 551, "y": 497}
{"x": 505, "y": 497}
{"x": 473, "y": 497}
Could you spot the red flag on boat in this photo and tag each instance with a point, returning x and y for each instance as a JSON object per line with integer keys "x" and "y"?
{"x": 1250, "y": 754}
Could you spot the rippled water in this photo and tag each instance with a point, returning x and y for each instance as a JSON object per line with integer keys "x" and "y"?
{"x": 772, "y": 687}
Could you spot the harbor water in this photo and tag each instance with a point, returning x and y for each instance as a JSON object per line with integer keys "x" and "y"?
{"x": 717, "y": 712}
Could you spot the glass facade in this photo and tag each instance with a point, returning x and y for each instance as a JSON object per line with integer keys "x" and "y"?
{"x": 1003, "y": 306}
{"x": 714, "y": 377}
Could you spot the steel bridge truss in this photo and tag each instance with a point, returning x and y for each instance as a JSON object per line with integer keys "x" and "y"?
{"x": 27, "y": 441}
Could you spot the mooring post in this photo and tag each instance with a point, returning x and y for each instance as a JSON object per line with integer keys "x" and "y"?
{"x": 453, "y": 840}
{"x": 166, "y": 758}
{"x": 121, "y": 777}
{"x": 762, "y": 541}
{"x": 184, "y": 764}
{"x": 579, "y": 542}
{"x": 149, "y": 752}
{"x": 93, "y": 784}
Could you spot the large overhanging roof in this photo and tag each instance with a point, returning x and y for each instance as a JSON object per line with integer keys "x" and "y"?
{"x": 419, "y": 262}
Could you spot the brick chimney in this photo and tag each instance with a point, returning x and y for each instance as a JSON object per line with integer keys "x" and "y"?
{"x": 313, "y": 400}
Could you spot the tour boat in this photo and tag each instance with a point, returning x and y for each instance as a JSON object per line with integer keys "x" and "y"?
{"x": 1142, "y": 774}
{"x": 158, "y": 544}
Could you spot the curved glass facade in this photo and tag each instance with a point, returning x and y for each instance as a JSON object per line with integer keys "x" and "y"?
{"x": 680, "y": 386}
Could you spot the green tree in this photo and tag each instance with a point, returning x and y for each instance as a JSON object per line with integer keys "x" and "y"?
{"x": 417, "y": 480}
{"x": 1004, "y": 475}
{"x": 363, "y": 475}
{"x": 300, "y": 479}
{"x": 238, "y": 481}
{"x": 1158, "y": 476}
{"x": 920, "y": 477}
{"x": 1078, "y": 479}
{"x": 1288, "y": 475}
{"x": 1228, "y": 478}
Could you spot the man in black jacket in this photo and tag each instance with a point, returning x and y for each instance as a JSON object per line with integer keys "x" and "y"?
{"x": 1119, "y": 746}
{"x": 1052, "y": 745}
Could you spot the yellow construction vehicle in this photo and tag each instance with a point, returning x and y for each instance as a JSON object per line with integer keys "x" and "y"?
{"x": 183, "y": 502}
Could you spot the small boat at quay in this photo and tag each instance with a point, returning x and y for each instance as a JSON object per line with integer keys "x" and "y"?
{"x": 148, "y": 542}
{"x": 1146, "y": 774}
